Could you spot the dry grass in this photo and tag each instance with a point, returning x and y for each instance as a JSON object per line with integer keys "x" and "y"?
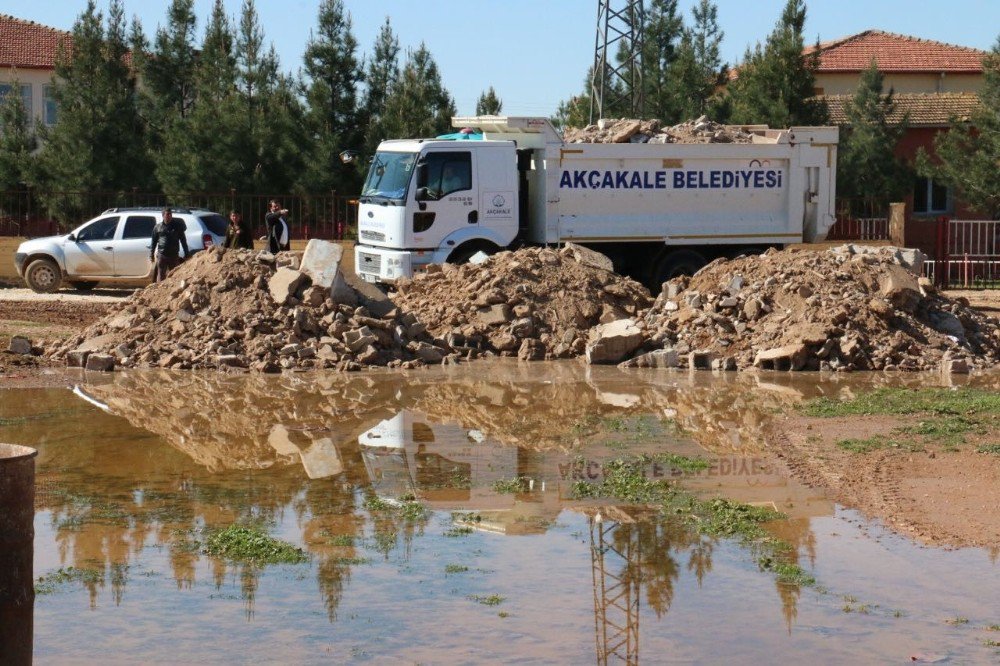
{"x": 8, "y": 245}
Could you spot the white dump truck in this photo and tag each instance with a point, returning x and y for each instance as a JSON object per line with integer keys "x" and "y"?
{"x": 657, "y": 210}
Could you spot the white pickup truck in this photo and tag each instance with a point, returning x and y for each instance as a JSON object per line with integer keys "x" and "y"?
{"x": 110, "y": 248}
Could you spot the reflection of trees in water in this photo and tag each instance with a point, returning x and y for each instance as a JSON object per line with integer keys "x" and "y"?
{"x": 659, "y": 540}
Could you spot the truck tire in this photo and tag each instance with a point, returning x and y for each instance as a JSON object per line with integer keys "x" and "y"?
{"x": 463, "y": 253}
{"x": 677, "y": 263}
{"x": 43, "y": 276}
{"x": 84, "y": 285}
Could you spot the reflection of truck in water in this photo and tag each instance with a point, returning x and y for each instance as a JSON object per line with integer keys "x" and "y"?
{"x": 449, "y": 467}
{"x": 442, "y": 464}
{"x": 656, "y": 210}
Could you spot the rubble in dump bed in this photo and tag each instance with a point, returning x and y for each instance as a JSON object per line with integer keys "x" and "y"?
{"x": 630, "y": 130}
{"x": 534, "y": 303}
{"x": 245, "y": 309}
{"x": 848, "y": 308}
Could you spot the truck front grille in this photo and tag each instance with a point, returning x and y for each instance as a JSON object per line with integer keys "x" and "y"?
{"x": 369, "y": 263}
{"x": 368, "y": 235}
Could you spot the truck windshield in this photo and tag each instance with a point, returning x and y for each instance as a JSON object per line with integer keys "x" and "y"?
{"x": 389, "y": 175}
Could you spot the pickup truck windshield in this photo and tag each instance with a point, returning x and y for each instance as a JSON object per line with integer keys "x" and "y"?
{"x": 389, "y": 175}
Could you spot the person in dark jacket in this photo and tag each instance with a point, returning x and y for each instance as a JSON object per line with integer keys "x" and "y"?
{"x": 167, "y": 240}
{"x": 238, "y": 233}
{"x": 277, "y": 228}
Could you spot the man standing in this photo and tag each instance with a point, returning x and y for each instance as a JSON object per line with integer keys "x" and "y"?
{"x": 168, "y": 237}
{"x": 277, "y": 228}
{"x": 238, "y": 233}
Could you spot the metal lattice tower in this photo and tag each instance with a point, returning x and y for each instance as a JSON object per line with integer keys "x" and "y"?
{"x": 616, "y": 571}
{"x": 616, "y": 79}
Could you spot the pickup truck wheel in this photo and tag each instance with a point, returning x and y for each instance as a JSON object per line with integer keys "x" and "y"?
{"x": 677, "y": 263}
{"x": 84, "y": 285}
{"x": 43, "y": 275}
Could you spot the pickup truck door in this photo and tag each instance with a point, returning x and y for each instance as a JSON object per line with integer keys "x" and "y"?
{"x": 132, "y": 249}
{"x": 91, "y": 254}
{"x": 452, "y": 201}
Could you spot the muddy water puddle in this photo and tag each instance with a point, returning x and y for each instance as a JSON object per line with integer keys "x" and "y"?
{"x": 443, "y": 517}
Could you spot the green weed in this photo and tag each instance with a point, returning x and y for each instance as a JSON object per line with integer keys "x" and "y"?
{"x": 250, "y": 544}
{"x": 992, "y": 449}
{"x": 511, "y": 486}
{"x": 685, "y": 464}
{"x": 488, "y": 600}
{"x": 458, "y": 531}
{"x": 61, "y": 577}
{"x": 957, "y": 620}
{"x": 876, "y": 443}
{"x": 967, "y": 401}
{"x": 455, "y": 568}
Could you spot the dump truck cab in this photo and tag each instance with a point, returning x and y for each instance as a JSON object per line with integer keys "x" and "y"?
{"x": 433, "y": 201}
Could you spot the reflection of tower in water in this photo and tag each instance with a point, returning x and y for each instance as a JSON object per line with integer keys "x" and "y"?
{"x": 616, "y": 564}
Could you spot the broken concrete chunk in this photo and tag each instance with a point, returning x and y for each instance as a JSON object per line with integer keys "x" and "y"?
{"x": 19, "y": 345}
{"x": 285, "y": 283}
{"x": 100, "y": 362}
{"x": 789, "y": 357}
{"x": 589, "y": 257}
{"x": 660, "y": 358}
{"x": 900, "y": 287}
{"x": 494, "y": 315}
{"x": 613, "y": 342}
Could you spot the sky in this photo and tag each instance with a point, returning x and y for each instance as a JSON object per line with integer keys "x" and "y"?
{"x": 536, "y": 53}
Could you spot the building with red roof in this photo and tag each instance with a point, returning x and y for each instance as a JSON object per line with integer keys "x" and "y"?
{"x": 933, "y": 83}
{"x": 28, "y": 54}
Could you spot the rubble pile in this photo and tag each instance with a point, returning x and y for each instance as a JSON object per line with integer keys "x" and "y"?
{"x": 630, "y": 130}
{"x": 245, "y": 309}
{"x": 848, "y": 308}
{"x": 534, "y": 303}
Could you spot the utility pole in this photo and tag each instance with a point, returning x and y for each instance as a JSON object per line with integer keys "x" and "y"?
{"x": 616, "y": 79}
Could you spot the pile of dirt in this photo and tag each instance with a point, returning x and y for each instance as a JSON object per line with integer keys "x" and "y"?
{"x": 848, "y": 308}
{"x": 241, "y": 309}
{"x": 630, "y": 130}
{"x": 534, "y": 303}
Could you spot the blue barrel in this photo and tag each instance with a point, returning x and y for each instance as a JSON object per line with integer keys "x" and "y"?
{"x": 17, "y": 547}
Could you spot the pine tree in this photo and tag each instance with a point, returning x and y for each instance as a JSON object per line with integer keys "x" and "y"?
{"x": 699, "y": 69}
{"x": 663, "y": 28}
{"x": 17, "y": 141}
{"x": 332, "y": 75}
{"x": 776, "y": 81}
{"x": 418, "y": 104}
{"x": 202, "y": 149}
{"x": 169, "y": 73}
{"x": 381, "y": 75}
{"x": 968, "y": 155}
{"x": 489, "y": 104}
{"x": 98, "y": 142}
{"x": 867, "y": 169}
{"x": 271, "y": 155}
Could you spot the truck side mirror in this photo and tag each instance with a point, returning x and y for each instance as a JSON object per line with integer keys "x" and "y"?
{"x": 422, "y": 175}
{"x": 421, "y": 194}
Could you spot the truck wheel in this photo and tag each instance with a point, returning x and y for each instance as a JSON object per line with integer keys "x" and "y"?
{"x": 84, "y": 285}
{"x": 43, "y": 275}
{"x": 677, "y": 263}
{"x": 464, "y": 252}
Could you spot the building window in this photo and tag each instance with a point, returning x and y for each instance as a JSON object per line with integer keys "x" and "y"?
{"x": 930, "y": 197}
{"x": 48, "y": 106}
{"x": 5, "y": 89}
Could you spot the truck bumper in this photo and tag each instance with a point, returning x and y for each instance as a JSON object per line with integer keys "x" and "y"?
{"x": 19, "y": 259}
{"x": 379, "y": 264}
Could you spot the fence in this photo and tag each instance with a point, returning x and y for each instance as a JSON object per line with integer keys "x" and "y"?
{"x": 43, "y": 213}
{"x": 968, "y": 255}
{"x": 860, "y": 219}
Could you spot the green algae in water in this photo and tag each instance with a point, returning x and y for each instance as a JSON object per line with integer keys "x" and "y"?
{"x": 249, "y": 544}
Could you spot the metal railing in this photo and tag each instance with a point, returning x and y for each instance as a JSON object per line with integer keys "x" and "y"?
{"x": 968, "y": 255}
{"x": 33, "y": 213}
{"x": 860, "y": 219}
